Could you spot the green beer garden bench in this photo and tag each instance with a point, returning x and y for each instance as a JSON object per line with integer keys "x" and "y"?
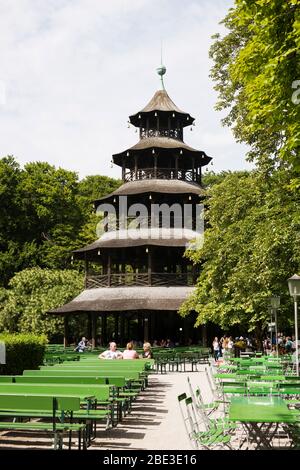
{"x": 56, "y": 407}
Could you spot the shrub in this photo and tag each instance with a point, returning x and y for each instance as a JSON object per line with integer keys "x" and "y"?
{"x": 23, "y": 351}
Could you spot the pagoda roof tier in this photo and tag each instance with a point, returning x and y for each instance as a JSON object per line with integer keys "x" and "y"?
{"x": 110, "y": 299}
{"x": 169, "y": 237}
{"x": 154, "y": 186}
{"x": 161, "y": 103}
{"x": 152, "y": 145}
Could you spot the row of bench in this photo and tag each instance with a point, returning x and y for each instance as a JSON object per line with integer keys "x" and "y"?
{"x": 71, "y": 397}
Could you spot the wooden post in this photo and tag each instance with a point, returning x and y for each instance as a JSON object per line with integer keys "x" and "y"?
{"x": 204, "y": 336}
{"x": 146, "y": 328}
{"x": 116, "y": 328}
{"x": 123, "y": 169}
{"x": 66, "y": 330}
{"x": 89, "y": 325}
{"x": 155, "y": 166}
{"x": 176, "y": 166}
{"x": 104, "y": 329}
{"x": 86, "y": 272}
{"x": 152, "y": 326}
{"x": 193, "y": 169}
{"x": 135, "y": 167}
{"x": 122, "y": 329}
{"x": 140, "y": 325}
{"x": 94, "y": 330}
{"x": 149, "y": 267}
{"x": 109, "y": 270}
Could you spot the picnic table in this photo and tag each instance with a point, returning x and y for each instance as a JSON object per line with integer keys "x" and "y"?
{"x": 261, "y": 417}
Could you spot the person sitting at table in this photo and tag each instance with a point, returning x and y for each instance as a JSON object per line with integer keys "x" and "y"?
{"x": 147, "y": 354}
{"x": 129, "y": 352}
{"x": 111, "y": 353}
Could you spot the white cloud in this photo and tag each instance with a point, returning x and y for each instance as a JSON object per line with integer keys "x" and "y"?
{"x": 73, "y": 71}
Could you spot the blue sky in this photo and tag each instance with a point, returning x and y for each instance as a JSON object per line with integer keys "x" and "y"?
{"x": 72, "y": 71}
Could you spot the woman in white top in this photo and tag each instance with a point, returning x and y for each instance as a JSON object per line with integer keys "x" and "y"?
{"x": 216, "y": 348}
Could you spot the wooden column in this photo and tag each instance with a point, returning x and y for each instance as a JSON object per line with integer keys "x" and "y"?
{"x": 135, "y": 167}
{"x": 66, "y": 330}
{"x": 193, "y": 169}
{"x": 122, "y": 329}
{"x": 186, "y": 328}
{"x": 86, "y": 272}
{"x": 123, "y": 169}
{"x": 200, "y": 175}
{"x": 116, "y": 328}
{"x": 104, "y": 329}
{"x": 204, "y": 336}
{"x": 152, "y": 326}
{"x": 109, "y": 270}
{"x": 89, "y": 325}
{"x": 146, "y": 328}
{"x": 176, "y": 166}
{"x": 155, "y": 166}
{"x": 94, "y": 329}
{"x": 149, "y": 267}
{"x": 140, "y": 326}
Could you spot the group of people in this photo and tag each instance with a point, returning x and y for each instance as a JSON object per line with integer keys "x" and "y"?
{"x": 128, "y": 353}
{"x": 219, "y": 347}
{"x": 286, "y": 344}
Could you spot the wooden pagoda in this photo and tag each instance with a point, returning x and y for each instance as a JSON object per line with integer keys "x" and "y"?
{"x": 136, "y": 275}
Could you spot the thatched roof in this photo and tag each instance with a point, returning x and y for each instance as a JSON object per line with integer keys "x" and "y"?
{"x": 161, "y": 102}
{"x": 110, "y": 299}
{"x": 155, "y": 186}
{"x": 161, "y": 144}
{"x": 144, "y": 236}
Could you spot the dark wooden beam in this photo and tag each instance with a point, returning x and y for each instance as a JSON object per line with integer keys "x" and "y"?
{"x": 66, "y": 330}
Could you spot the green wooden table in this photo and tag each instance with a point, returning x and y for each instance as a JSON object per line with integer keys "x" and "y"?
{"x": 261, "y": 417}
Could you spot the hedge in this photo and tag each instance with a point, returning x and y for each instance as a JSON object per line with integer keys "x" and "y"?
{"x": 23, "y": 351}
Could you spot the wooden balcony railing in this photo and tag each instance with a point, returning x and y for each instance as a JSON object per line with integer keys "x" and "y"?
{"x": 162, "y": 173}
{"x": 140, "y": 279}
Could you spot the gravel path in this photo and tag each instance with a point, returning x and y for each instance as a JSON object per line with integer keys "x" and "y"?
{"x": 155, "y": 421}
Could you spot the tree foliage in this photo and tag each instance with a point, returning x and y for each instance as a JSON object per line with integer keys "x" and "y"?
{"x": 31, "y": 294}
{"x": 45, "y": 214}
{"x": 256, "y": 71}
{"x": 250, "y": 250}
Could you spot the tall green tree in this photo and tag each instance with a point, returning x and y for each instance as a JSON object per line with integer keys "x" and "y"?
{"x": 250, "y": 250}
{"x": 257, "y": 73}
{"x": 33, "y": 292}
{"x": 46, "y": 212}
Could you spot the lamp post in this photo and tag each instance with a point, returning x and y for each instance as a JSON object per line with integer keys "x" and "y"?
{"x": 294, "y": 288}
{"x": 275, "y": 304}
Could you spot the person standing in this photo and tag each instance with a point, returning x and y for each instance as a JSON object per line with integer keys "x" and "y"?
{"x": 216, "y": 348}
{"x": 81, "y": 345}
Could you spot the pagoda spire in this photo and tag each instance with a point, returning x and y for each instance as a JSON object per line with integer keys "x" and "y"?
{"x": 161, "y": 70}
